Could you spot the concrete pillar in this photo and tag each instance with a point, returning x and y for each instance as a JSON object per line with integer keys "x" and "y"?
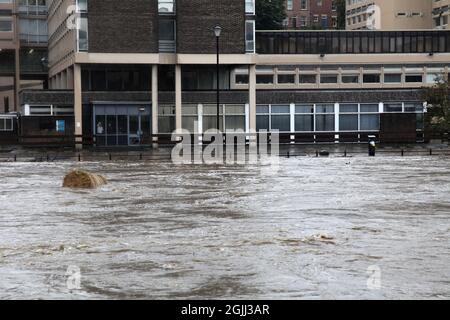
{"x": 16, "y": 79}
{"x": 155, "y": 104}
{"x": 78, "y": 106}
{"x": 64, "y": 79}
{"x": 252, "y": 97}
{"x": 69, "y": 76}
{"x": 178, "y": 99}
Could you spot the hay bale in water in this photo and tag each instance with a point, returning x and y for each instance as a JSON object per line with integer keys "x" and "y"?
{"x": 83, "y": 180}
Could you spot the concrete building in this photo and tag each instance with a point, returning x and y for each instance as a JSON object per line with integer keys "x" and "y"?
{"x": 130, "y": 73}
{"x": 389, "y": 14}
{"x": 23, "y": 49}
{"x": 441, "y": 13}
{"x": 310, "y": 14}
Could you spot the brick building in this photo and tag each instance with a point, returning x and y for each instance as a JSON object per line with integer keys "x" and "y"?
{"x": 310, "y": 14}
{"x": 129, "y": 72}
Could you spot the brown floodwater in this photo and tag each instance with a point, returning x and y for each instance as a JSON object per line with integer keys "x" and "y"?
{"x": 313, "y": 230}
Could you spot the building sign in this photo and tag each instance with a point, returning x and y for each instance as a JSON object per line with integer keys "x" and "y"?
{"x": 60, "y": 126}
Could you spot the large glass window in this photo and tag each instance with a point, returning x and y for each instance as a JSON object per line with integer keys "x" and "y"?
{"x": 304, "y": 118}
{"x": 325, "y": 117}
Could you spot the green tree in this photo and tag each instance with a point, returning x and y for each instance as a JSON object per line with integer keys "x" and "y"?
{"x": 270, "y": 14}
{"x": 438, "y": 115}
{"x": 341, "y": 11}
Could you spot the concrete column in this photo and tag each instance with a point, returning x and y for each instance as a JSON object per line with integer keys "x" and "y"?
{"x": 155, "y": 105}
{"x": 178, "y": 99}
{"x": 252, "y": 97}
{"x": 78, "y": 105}
{"x": 16, "y": 80}
{"x": 69, "y": 75}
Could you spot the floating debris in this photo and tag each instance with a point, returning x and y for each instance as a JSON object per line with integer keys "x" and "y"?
{"x": 83, "y": 180}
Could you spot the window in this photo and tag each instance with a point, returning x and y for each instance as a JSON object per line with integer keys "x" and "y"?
{"x": 393, "y": 107}
{"x": 280, "y": 118}
{"x": 304, "y": 118}
{"x": 264, "y": 79}
{"x": 83, "y": 35}
{"x": 167, "y": 35}
{"x": 328, "y": 78}
{"x": 241, "y": 79}
{"x": 393, "y": 78}
{"x": 371, "y": 78}
{"x": 250, "y": 6}
{"x": 417, "y": 78}
{"x": 308, "y": 78}
{"x": 289, "y": 5}
{"x": 5, "y": 24}
{"x": 348, "y": 119}
{"x": 166, "y": 6}
{"x": 250, "y": 36}
{"x": 350, "y": 78}
{"x": 325, "y": 117}
{"x": 6, "y": 124}
{"x": 286, "y": 78}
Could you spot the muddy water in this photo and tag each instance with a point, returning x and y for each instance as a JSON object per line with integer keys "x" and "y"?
{"x": 313, "y": 230}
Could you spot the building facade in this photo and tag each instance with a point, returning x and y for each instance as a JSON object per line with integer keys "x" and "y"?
{"x": 389, "y": 15}
{"x": 23, "y": 49}
{"x": 311, "y": 14}
{"x": 441, "y": 14}
{"x": 128, "y": 73}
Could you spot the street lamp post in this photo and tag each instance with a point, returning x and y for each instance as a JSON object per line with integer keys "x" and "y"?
{"x": 217, "y": 32}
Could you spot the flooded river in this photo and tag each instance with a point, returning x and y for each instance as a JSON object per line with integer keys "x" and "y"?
{"x": 321, "y": 228}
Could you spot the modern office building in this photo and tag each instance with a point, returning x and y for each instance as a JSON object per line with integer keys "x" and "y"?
{"x": 441, "y": 14}
{"x": 127, "y": 73}
{"x": 23, "y": 49}
{"x": 389, "y": 14}
{"x": 311, "y": 14}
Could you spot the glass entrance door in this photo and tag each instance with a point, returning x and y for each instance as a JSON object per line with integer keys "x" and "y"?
{"x": 122, "y": 125}
{"x": 135, "y": 133}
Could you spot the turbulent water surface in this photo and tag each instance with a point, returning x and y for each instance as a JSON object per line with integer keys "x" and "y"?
{"x": 319, "y": 228}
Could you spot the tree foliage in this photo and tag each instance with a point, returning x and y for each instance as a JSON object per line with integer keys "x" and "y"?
{"x": 438, "y": 115}
{"x": 270, "y": 14}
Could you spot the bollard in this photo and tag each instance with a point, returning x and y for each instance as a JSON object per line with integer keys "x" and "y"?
{"x": 317, "y": 154}
{"x": 48, "y": 159}
{"x": 15, "y": 158}
{"x": 79, "y": 157}
{"x": 140, "y": 156}
{"x": 403, "y": 152}
{"x": 345, "y": 153}
{"x": 431, "y": 152}
{"x": 288, "y": 154}
{"x": 110, "y": 157}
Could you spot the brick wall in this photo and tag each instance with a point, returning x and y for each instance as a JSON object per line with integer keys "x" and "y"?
{"x": 197, "y": 18}
{"x": 118, "y": 26}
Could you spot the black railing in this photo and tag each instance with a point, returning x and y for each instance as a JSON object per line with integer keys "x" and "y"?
{"x": 344, "y": 42}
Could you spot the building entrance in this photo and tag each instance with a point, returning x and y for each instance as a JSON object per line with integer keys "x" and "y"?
{"x": 122, "y": 125}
